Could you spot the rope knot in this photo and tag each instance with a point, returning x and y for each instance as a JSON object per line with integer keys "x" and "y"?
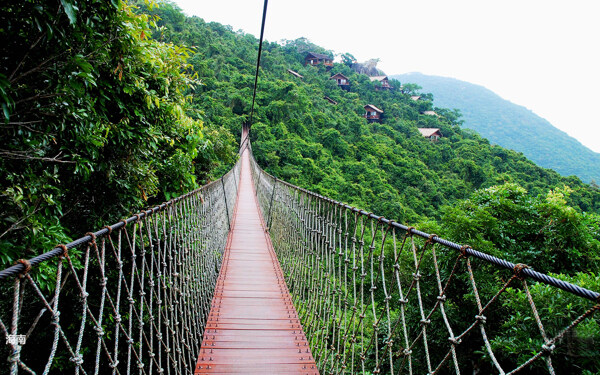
{"x": 409, "y": 231}
{"x": 548, "y": 348}
{"x": 108, "y": 228}
{"x": 454, "y": 341}
{"x": 425, "y": 321}
{"x": 65, "y": 253}
{"x": 518, "y": 269}
{"x": 430, "y": 239}
{"x": 27, "y": 265}
{"x": 93, "y": 236}
{"x": 55, "y": 320}
{"x": 442, "y": 298}
{"x": 481, "y": 318}
{"x": 99, "y": 331}
{"x": 463, "y": 250}
{"x": 407, "y": 352}
{"x": 78, "y": 360}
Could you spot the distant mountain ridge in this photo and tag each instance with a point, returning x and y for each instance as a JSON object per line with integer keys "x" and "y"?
{"x": 510, "y": 125}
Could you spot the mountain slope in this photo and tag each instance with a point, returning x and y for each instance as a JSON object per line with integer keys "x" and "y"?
{"x": 301, "y": 137}
{"x": 510, "y": 125}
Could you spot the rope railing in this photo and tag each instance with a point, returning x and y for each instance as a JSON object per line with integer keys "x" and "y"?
{"x": 132, "y": 297}
{"x": 376, "y": 296}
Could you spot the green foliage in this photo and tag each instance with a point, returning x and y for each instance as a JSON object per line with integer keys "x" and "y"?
{"x": 95, "y": 123}
{"x": 542, "y": 231}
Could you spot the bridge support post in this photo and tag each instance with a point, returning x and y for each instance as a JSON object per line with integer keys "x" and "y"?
{"x": 226, "y": 206}
{"x": 271, "y": 204}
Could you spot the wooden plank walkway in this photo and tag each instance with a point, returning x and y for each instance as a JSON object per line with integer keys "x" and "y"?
{"x": 252, "y": 326}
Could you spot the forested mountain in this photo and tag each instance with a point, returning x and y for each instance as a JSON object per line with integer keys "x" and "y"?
{"x": 109, "y": 107}
{"x": 312, "y": 133}
{"x": 95, "y": 121}
{"x": 300, "y": 136}
{"x": 510, "y": 125}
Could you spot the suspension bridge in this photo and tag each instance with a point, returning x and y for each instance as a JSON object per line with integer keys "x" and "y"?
{"x": 250, "y": 274}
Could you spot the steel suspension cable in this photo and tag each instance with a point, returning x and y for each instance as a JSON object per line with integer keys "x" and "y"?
{"x": 262, "y": 33}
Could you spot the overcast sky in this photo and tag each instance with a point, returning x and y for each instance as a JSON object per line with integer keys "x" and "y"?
{"x": 541, "y": 54}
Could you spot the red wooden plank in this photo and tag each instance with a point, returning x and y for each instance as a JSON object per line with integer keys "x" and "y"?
{"x": 252, "y": 327}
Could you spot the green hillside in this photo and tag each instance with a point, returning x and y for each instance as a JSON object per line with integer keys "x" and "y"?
{"x": 511, "y": 126}
{"x": 301, "y": 137}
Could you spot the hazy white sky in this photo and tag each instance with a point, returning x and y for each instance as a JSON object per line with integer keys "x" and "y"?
{"x": 541, "y": 54}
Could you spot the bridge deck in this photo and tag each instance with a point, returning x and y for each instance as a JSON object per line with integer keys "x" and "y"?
{"x": 252, "y": 326}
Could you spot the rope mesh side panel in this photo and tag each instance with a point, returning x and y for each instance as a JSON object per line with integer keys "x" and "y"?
{"x": 132, "y": 298}
{"x": 378, "y": 297}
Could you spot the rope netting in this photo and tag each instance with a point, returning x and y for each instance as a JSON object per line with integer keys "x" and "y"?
{"x": 375, "y": 296}
{"x": 130, "y": 298}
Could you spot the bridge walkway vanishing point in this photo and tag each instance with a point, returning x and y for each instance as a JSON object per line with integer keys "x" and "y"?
{"x": 252, "y": 326}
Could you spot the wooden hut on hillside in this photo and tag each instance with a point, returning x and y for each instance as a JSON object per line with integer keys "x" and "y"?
{"x": 383, "y": 80}
{"x": 342, "y": 81}
{"x": 433, "y": 134}
{"x": 315, "y": 59}
{"x": 373, "y": 113}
